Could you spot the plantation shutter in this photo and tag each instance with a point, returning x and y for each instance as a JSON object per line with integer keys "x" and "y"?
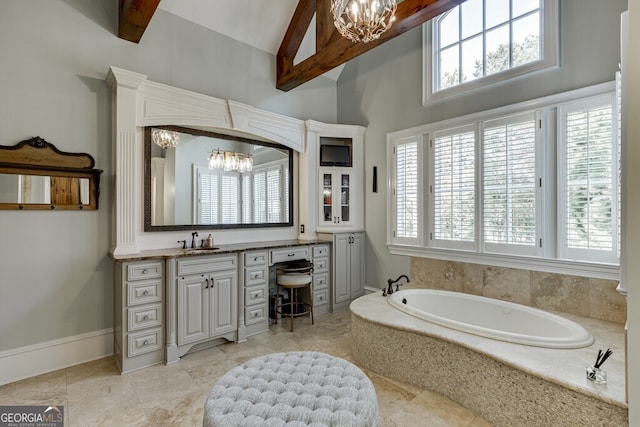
{"x": 589, "y": 198}
{"x": 274, "y": 199}
{"x": 509, "y": 185}
{"x": 406, "y": 190}
{"x": 453, "y": 189}
{"x": 259, "y": 196}
{"x": 246, "y": 199}
{"x": 208, "y": 197}
{"x": 230, "y": 202}
{"x": 286, "y": 195}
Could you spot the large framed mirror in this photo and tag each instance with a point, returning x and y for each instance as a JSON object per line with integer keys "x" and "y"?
{"x": 195, "y": 179}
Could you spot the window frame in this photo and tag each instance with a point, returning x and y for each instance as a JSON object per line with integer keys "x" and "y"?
{"x": 548, "y": 258}
{"x": 550, "y": 52}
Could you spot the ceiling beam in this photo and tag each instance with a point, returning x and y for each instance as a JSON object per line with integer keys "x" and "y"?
{"x": 332, "y": 51}
{"x": 134, "y": 18}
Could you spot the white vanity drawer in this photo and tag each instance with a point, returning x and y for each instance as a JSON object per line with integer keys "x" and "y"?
{"x": 150, "y": 270}
{"x": 321, "y": 265}
{"x": 255, "y": 314}
{"x": 290, "y": 254}
{"x": 320, "y": 281}
{"x": 144, "y": 292}
{"x": 255, "y": 276}
{"x": 255, "y": 295}
{"x": 320, "y": 297}
{"x": 144, "y": 342}
{"x": 255, "y": 258}
{"x": 206, "y": 264}
{"x": 144, "y": 317}
{"x": 320, "y": 251}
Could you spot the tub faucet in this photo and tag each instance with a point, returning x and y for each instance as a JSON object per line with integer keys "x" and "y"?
{"x": 390, "y": 283}
{"x": 193, "y": 239}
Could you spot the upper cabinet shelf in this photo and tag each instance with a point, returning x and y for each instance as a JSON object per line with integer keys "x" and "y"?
{"x": 35, "y": 175}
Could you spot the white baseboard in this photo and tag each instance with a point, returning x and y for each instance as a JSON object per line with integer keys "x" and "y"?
{"x": 25, "y": 362}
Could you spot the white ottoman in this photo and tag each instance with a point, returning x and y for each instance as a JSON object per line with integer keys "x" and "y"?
{"x": 293, "y": 389}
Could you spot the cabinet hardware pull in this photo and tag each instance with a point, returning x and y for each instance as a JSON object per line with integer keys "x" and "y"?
{"x": 145, "y": 271}
{"x": 145, "y": 293}
{"x": 207, "y": 283}
{"x": 146, "y": 342}
{"x": 145, "y": 317}
{"x": 255, "y": 259}
{"x": 291, "y": 255}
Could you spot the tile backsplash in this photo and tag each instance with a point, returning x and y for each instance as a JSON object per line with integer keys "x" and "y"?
{"x": 582, "y": 296}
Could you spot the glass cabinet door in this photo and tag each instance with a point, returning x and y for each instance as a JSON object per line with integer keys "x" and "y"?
{"x": 344, "y": 197}
{"x": 327, "y": 206}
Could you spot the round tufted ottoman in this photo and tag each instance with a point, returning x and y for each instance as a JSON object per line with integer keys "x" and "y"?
{"x": 293, "y": 389}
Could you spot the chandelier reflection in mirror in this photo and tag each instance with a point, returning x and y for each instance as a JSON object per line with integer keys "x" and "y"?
{"x": 230, "y": 161}
{"x": 165, "y": 138}
{"x": 363, "y": 20}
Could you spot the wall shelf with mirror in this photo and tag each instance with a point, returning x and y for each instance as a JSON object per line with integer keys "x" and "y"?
{"x": 35, "y": 175}
{"x": 225, "y": 181}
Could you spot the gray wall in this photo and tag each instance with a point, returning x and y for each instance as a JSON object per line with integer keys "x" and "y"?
{"x": 55, "y": 271}
{"x": 382, "y": 90}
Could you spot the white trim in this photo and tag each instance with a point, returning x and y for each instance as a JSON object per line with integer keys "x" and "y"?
{"x": 550, "y": 59}
{"x": 575, "y": 268}
{"x": 25, "y": 362}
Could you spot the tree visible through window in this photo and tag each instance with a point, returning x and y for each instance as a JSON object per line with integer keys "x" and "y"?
{"x": 483, "y": 37}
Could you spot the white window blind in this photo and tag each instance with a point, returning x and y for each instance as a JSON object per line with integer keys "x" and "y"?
{"x": 274, "y": 199}
{"x": 230, "y": 202}
{"x": 208, "y": 205}
{"x": 406, "y": 190}
{"x": 286, "y": 194}
{"x": 260, "y": 196}
{"x": 509, "y": 184}
{"x": 247, "y": 199}
{"x": 453, "y": 188}
{"x": 589, "y": 195}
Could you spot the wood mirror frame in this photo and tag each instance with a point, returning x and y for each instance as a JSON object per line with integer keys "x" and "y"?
{"x": 36, "y": 157}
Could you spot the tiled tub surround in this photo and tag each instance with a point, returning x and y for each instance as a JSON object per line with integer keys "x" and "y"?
{"x": 582, "y": 296}
{"x": 508, "y": 384}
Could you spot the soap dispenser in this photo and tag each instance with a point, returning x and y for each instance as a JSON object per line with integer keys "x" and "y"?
{"x": 210, "y": 241}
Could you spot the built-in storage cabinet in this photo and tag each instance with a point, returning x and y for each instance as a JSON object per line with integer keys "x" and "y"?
{"x": 207, "y": 299}
{"x": 320, "y": 287}
{"x": 348, "y": 268}
{"x": 256, "y": 292}
{"x": 336, "y": 204}
{"x": 139, "y": 302}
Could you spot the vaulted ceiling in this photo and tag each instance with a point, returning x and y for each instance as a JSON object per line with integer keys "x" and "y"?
{"x": 283, "y": 23}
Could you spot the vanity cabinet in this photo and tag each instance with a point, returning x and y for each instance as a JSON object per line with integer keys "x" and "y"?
{"x": 256, "y": 292}
{"x": 320, "y": 288}
{"x": 348, "y": 268}
{"x": 207, "y": 299}
{"x": 138, "y": 317}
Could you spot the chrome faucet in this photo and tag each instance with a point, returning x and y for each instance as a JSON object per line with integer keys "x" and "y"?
{"x": 392, "y": 282}
{"x": 193, "y": 239}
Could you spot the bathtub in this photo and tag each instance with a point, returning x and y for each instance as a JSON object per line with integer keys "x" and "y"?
{"x": 491, "y": 318}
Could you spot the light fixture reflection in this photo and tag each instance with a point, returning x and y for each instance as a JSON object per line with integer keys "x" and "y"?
{"x": 165, "y": 138}
{"x": 230, "y": 161}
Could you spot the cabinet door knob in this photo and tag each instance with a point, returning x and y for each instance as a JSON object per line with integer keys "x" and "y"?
{"x": 146, "y": 342}
{"x": 145, "y": 271}
{"x": 146, "y": 317}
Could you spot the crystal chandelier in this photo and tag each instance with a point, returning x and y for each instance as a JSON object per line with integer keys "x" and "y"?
{"x": 230, "y": 161}
{"x": 164, "y": 138}
{"x": 363, "y": 20}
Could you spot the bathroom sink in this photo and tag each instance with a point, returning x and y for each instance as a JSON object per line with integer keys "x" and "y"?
{"x": 201, "y": 249}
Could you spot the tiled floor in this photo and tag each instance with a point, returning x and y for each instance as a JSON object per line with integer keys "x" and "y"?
{"x": 95, "y": 394}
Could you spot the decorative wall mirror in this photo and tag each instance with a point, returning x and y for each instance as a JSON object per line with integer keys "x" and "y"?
{"x": 196, "y": 179}
{"x": 34, "y": 174}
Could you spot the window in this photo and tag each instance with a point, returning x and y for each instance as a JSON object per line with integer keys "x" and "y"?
{"x": 589, "y": 193}
{"x": 482, "y": 42}
{"x": 269, "y": 183}
{"x": 509, "y": 185}
{"x": 513, "y": 187}
{"x": 407, "y": 190}
{"x": 218, "y": 202}
{"x": 453, "y": 189}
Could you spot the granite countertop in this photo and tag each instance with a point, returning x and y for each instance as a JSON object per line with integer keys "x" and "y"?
{"x": 565, "y": 367}
{"x": 168, "y": 253}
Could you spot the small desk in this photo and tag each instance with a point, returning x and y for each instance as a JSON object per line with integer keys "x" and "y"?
{"x": 295, "y": 388}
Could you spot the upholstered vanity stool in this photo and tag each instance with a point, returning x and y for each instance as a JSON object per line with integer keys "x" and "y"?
{"x": 294, "y": 389}
{"x": 294, "y": 277}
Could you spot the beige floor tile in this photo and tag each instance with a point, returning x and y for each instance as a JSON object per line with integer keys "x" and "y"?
{"x": 47, "y": 389}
